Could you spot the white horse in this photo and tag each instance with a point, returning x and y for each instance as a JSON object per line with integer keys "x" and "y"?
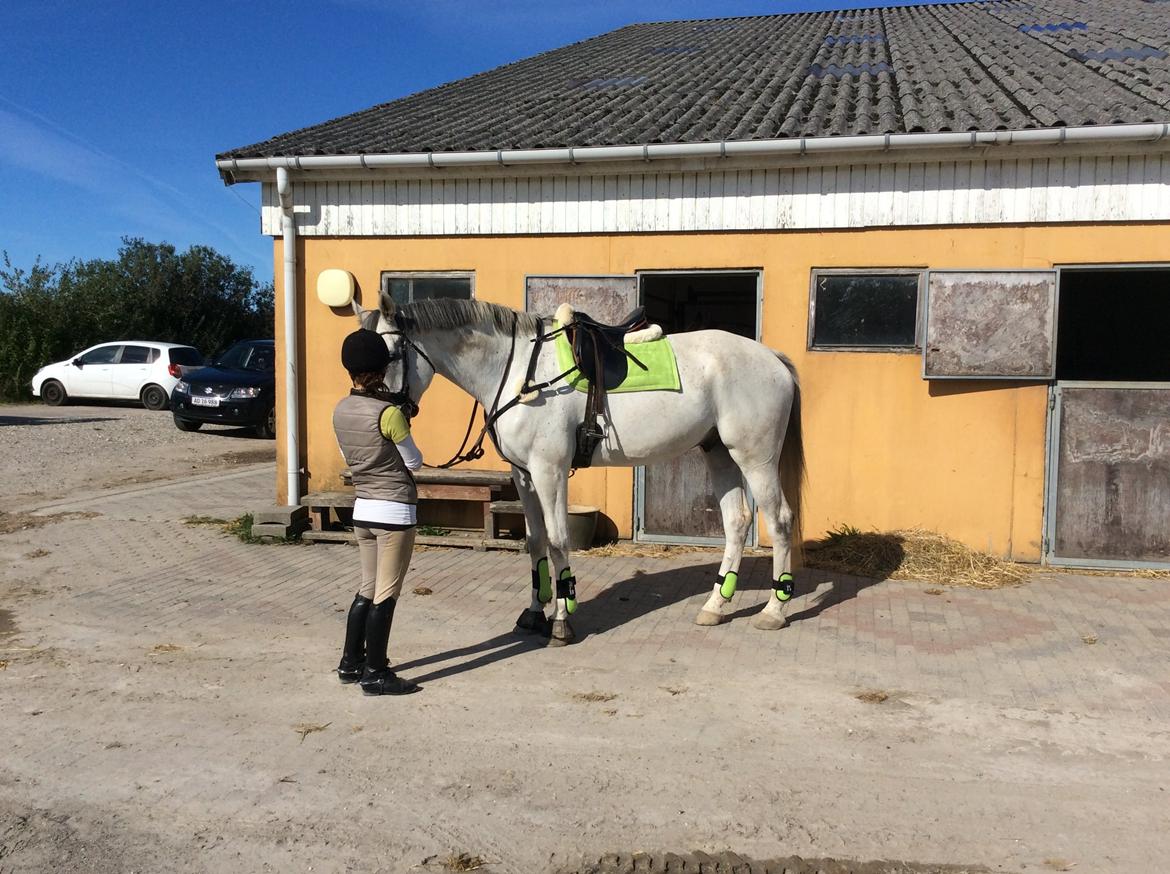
{"x": 739, "y": 401}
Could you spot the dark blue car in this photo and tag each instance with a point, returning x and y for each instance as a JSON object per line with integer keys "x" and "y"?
{"x": 238, "y": 388}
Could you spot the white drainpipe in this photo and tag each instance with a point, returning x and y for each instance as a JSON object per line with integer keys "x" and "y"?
{"x": 794, "y": 147}
{"x": 292, "y": 410}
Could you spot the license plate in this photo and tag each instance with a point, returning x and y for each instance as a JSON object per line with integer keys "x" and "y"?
{"x": 204, "y": 402}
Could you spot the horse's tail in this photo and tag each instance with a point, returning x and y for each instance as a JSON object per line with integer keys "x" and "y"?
{"x": 792, "y": 473}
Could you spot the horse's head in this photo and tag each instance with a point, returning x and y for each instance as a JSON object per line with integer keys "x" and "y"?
{"x": 410, "y": 372}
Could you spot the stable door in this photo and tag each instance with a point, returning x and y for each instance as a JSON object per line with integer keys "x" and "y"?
{"x": 675, "y": 501}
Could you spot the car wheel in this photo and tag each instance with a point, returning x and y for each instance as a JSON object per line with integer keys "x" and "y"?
{"x": 266, "y": 430}
{"x": 53, "y": 393}
{"x": 187, "y": 424}
{"x": 155, "y": 398}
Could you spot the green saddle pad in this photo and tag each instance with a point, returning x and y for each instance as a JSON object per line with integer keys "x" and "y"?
{"x": 658, "y": 356}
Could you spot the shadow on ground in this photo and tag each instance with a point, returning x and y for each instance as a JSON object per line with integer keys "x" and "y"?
{"x": 630, "y": 599}
{"x": 50, "y": 420}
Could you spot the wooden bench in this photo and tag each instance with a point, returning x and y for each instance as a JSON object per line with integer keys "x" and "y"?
{"x": 492, "y": 489}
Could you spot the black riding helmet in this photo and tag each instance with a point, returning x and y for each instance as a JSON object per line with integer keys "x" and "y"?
{"x": 364, "y": 351}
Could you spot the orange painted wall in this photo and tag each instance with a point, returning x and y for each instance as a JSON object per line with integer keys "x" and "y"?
{"x": 886, "y": 449}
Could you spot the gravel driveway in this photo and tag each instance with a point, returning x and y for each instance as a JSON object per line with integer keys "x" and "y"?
{"x": 54, "y": 452}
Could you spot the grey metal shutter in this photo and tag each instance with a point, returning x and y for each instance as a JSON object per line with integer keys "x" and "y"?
{"x": 605, "y": 298}
{"x": 983, "y": 324}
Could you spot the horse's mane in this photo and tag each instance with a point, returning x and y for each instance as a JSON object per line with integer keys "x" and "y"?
{"x": 446, "y": 314}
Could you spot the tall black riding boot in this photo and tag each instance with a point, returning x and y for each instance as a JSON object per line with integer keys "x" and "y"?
{"x": 378, "y": 679}
{"x": 353, "y": 655}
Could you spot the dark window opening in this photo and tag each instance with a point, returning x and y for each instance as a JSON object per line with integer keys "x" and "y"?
{"x": 408, "y": 288}
{"x": 865, "y": 310}
{"x": 698, "y": 301}
{"x": 1114, "y": 325}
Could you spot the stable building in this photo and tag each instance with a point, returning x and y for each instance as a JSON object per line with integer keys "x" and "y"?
{"x": 954, "y": 218}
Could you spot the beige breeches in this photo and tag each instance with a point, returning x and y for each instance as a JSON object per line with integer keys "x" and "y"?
{"x": 385, "y": 558}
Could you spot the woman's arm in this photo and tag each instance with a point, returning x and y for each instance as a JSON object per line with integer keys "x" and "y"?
{"x": 394, "y": 426}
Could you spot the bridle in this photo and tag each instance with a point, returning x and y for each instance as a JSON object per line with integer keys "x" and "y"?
{"x": 490, "y": 417}
{"x": 402, "y": 398}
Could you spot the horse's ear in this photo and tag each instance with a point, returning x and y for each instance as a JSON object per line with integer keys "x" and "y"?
{"x": 367, "y": 319}
{"x": 388, "y": 306}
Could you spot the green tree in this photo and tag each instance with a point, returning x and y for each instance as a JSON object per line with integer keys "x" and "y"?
{"x": 149, "y": 292}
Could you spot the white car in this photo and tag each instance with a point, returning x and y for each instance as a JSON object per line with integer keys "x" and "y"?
{"x": 126, "y": 370}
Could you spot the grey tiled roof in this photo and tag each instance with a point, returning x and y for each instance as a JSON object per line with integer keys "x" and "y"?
{"x": 993, "y": 65}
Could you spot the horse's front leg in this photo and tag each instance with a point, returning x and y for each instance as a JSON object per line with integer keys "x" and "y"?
{"x": 552, "y": 489}
{"x": 533, "y": 620}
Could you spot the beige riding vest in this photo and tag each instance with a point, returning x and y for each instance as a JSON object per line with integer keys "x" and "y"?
{"x": 378, "y": 470}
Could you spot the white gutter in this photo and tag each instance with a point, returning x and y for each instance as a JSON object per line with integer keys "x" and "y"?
{"x": 794, "y": 146}
{"x": 292, "y": 411}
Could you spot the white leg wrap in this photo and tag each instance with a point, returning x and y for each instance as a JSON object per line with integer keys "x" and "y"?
{"x": 562, "y": 611}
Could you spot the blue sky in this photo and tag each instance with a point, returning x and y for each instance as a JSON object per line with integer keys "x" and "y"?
{"x": 111, "y": 112}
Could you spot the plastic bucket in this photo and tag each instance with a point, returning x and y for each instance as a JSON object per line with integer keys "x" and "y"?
{"x": 582, "y": 525}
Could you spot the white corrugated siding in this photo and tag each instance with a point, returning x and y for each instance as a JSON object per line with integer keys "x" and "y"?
{"x": 1078, "y": 189}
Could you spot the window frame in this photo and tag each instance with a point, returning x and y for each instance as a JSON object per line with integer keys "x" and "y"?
{"x": 919, "y": 310}
{"x": 388, "y": 275}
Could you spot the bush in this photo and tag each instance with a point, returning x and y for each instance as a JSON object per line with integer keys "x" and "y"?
{"x": 149, "y": 292}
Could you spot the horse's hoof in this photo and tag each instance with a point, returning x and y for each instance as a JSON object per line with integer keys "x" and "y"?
{"x": 769, "y": 621}
{"x": 562, "y": 633}
{"x": 709, "y": 617}
{"x": 534, "y": 622}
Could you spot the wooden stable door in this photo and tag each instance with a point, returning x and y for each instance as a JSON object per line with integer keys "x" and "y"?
{"x": 1109, "y": 476}
{"x": 675, "y": 500}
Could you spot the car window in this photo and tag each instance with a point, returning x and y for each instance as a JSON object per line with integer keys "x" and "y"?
{"x": 154, "y": 354}
{"x": 263, "y": 358}
{"x": 100, "y": 355}
{"x": 246, "y": 356}
{"x": 135, "y": 355}
{"x": 234, "y": 357}
{"x": 187, "y": 355}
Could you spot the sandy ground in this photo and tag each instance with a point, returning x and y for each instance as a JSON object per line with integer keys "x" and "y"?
{"x": 54, "y": 452}
{"x": 166, "y": 704}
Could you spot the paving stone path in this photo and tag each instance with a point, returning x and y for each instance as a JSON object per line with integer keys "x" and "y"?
{"x": 889, "y": 719}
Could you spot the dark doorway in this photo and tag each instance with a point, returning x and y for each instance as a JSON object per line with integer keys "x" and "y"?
{"x": 694, "y": 301}
{"x": 675, "y": 500}
{"x": 1113, "y": 325}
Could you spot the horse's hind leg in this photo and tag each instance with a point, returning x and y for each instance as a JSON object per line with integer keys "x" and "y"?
{"x": 737, "y": 518}
{"x": 764, "y": 480}
{"x": 532, "y": 620}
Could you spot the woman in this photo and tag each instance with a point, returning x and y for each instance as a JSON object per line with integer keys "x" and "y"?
{"x": 374, "y": 436}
